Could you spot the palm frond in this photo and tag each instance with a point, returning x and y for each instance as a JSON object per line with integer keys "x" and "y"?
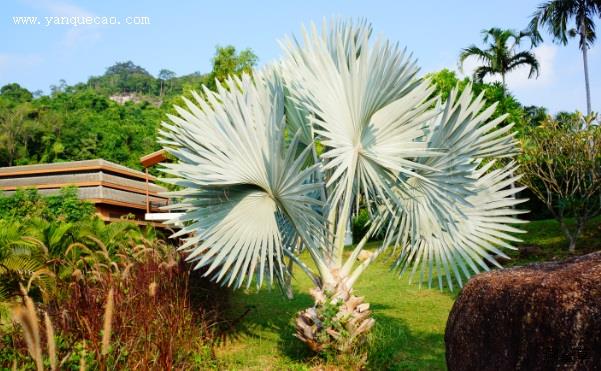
{"x": 430, "y": 209}
{"x": 481, "y": 72}
{"x": 239, "y": 180}
{"x": 525, "y": 58}
{"x": 369, "y": 109}
{"x": 472, "y": 239}
{"x": 474, "y": 51}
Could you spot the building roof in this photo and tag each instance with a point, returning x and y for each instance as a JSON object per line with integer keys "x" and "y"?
{"x": 73, "y": 166}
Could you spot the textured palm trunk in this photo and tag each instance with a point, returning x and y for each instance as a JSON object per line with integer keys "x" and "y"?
{"x": 586, "y": 80}
{"x": 338, "y": 321}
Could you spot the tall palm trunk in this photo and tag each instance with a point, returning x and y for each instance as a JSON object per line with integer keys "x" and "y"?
{"x": 584, "y": 47}
{"x": 586, "y": 79}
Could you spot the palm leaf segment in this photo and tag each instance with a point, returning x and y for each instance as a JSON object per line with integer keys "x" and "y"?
{"x": 452, "y": 223}
{"x": 243, "y": 190}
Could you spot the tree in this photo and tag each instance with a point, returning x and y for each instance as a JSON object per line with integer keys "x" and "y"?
{"x": 561, "y": 164}
{"x": 60, "y": 88}
{"x": 446, "y": 80}
{"x": 501, "y": 56}
{"x": 228, "y": 62}
{"x": 12, "y": 126}
{"x": 165, "y": 75}
{"x": 556, "y": 14}
{"x": 15, "y": 93}
{"x": 257, "y": 191}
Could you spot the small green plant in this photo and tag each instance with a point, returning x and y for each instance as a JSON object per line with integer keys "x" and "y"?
{"x": 29, "y": 204}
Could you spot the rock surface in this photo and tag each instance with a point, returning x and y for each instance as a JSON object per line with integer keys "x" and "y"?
{"x": 538, "y": 317}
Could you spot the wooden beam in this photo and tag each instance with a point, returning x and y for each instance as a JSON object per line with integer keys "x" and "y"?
{"x": 147, "y": 192}
{"x": 153, "y": 158}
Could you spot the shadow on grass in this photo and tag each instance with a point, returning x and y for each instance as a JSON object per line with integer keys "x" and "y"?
{"x": 394, "y": 346}
{"x": 391, "y": 346}
{"x": 268, "y": 319}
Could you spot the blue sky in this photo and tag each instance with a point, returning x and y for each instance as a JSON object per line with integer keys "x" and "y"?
{"x": 182, "y": 36}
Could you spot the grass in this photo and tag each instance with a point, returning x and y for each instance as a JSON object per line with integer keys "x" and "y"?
{"x": 552, "y": 244}
{"x": 410, "y": 322}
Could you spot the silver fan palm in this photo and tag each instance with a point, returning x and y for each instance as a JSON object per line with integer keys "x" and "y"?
{"x": 255, "y": 189}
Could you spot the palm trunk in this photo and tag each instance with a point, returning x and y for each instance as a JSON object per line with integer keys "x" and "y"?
{"x": 339, "y": 320}
{"x": 586, "y": 79}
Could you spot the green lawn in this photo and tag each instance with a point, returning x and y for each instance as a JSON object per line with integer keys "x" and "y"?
{"x": 410, "y": 322}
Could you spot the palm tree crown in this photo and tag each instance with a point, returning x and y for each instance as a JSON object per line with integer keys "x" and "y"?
{"x": 556, "y": 14}
{"x": 256, "y": 191}
{"x": 255, "y": 188}
{"x": 500, "y": 57}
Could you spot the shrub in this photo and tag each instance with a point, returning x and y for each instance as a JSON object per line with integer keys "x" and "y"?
{"x": 68, "y": 207}
{"x": 124, "y": 310}
{"x": 28, "y": 204}
{"x": 360, "y": 224}
{"x": 561, "y": 164}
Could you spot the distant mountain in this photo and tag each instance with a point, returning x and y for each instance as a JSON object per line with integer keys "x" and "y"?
{"x": 114, "y": 116}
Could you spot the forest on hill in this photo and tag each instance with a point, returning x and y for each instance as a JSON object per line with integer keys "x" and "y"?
{"x": 114, "y": 116}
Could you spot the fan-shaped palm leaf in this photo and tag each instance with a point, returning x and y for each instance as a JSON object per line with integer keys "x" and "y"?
{"x": 471, "y": 241}
{"x": 466, "y": 133}
{"x": 368, "y": 110}
{"x": 240, "y": 181}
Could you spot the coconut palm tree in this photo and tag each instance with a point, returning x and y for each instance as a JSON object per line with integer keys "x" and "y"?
{"x": 255, "y": 189}
{"x": 556, "y": 14}
{"x": 500, "y": 57}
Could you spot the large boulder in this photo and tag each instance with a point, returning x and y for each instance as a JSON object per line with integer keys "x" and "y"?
{"x": 538, "y": 317}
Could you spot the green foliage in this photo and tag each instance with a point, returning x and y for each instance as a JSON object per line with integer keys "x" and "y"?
{"x": 23, "y": 203}
{"x": 81, "y": 122}
{"x": 445, "y": 80}
{"x": 227, "y": 62}
{"x": 77, "y": 125}
{"x": 328, "y": 311}
{"x": 561, "y": 165}
{"x": 360, "y": 224}
{"x": 14, "y": 92}
{"x": 68, "y": 207}
{"x": 29, "y": 204}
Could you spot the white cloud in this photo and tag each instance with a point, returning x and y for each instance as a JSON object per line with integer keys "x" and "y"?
{"x": 74, "y": 35}
{"x": 78, "y": 35}
{"x": 59, "y": 8}
{"x": 518, "y": 80}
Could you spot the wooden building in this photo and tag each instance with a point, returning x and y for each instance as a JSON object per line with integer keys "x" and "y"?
{"x": 115, "y": 190}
